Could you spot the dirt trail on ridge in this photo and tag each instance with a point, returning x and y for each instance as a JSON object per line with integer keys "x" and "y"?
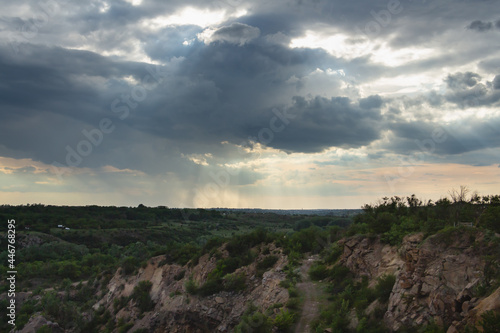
{"x": 312, "y": 293}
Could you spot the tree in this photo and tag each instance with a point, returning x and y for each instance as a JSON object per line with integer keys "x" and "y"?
{"x": 383, "y": 223}
{"x": 459, "y": 196}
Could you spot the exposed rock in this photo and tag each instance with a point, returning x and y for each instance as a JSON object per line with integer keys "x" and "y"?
{"x": 434, "y": 279}
{"x": 473, "y": 313}
{"x": 353, "y": 320}
{"x": 435, "y": 282}
{"x": 36, "y": 322}
{"x": 372, "y": 307}
{"x": 369, "y": 257}
{"x": 34, "y": 239}
{"x": 177, "y": 311}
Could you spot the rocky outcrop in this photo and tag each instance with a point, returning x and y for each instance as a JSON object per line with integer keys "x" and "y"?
{"x": 435, "y": 281}
{"x": 34, "y": 239}
{"x": 435, "y": 277}
{"x": 369, "y": 257}
{"x": 177, "y": 311}
{"x": 472, "y": 314}
{"x": 37, "y": 321}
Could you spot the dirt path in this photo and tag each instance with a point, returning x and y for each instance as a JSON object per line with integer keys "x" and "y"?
{"x": 312, "y": 293}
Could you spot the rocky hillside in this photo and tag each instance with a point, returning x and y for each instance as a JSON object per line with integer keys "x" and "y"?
{"x": 438, "y": 279}
{"x": 176, "y": 310}
{"x": 446, "y": 281}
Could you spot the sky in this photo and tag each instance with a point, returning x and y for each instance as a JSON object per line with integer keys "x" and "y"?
{"x": 234, "y": 103}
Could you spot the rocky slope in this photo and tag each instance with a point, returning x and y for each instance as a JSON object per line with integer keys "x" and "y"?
{"x": 435, "y": 277}
{"x": 177, "y": 311}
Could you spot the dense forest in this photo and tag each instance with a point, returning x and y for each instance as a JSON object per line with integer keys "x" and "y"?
{"x": 66, "y": 257}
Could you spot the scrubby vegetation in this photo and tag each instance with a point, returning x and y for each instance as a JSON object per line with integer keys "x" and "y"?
{"x": 457, "y": 219}
{"x": 395, "y": 217}
{"x": 79, "y": 262}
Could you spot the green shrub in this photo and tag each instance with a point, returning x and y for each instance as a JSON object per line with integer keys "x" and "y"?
{"x": 44, "y": 329}
{"x": 191, "y": 286}
{"x": 333, "y": 253}
{"x": 293, "y": 292}
{"x": 384, "y": 287}
{"x": 210, "y": 287}
{"x": 490, "y": 219}
{"x": 230, "y": 264}
{"x": 490, "y": 322}
{"x": 357, "y": 228}
{"x": 318, "y": 272}
{"x": 383, "y": 223}
{"x": 180, "y": 275}
{"x": 235, "y": 282}
{"x": 284, "y": 320}
{"x": 141, "y": 296}
{"x": 399, "y": 230}
{"x": 120, "y": 303}
{"x": 338, "y": 313}
{"x": 339, "y": 273}
{"x": 125, "y": 328}
{"x": 21, "y": 320}
{"x": 293, "y": 303}
{"x": 431, "y": 226}
{"x": 267, "y": 263}
{"x": 253, "y": 321}
{"x": 129, "y": 265}
{"x": 285, "y": 284}
{"x": 240, "y": 244}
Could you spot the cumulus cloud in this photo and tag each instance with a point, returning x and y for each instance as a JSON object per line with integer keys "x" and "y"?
{"x": 461, "y": 80}
{"x": 467, "y": 90}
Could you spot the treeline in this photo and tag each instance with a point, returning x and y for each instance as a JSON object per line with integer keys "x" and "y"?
{"x": 395, "y": 217}
{"x": 42, "y": 218}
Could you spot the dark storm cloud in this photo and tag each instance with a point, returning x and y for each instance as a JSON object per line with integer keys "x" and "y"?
{"x": 467, "y": 90}
{"x": 234, "y": 88}
{"x": 221, "y": 92}
{"x": 50, "y": 96}
{"x": 458, "y": 137}
{"x": 227, "y": 90}
{"x": 496, "y": 82}
{"x": 53, "y": 80}
{"x": 480, "y": 26}
{"x": 460, "y": 80}
{"x": 371, "y": 102}
{"x": 321, "y": 123}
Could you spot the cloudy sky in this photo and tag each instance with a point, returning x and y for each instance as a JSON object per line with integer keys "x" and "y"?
{"x": 238, "y": 103}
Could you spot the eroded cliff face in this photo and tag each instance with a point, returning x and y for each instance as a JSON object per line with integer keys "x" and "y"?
{"x": 177, "y": 311}
{"x": 435, "y": 278}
